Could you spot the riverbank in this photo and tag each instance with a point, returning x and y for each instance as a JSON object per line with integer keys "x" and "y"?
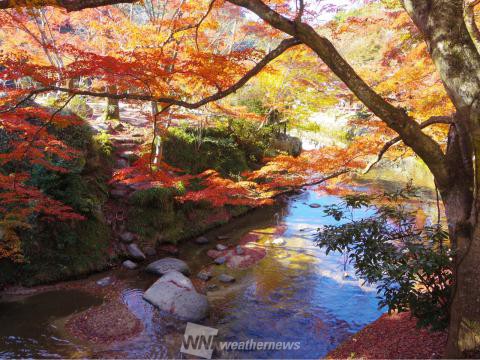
{"x": 392, "y": 336}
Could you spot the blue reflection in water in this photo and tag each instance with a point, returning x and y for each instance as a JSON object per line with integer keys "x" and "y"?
{"x": 298, "y": 293}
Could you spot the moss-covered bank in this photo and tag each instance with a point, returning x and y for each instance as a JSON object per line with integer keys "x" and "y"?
{"x": 58, "y": 250}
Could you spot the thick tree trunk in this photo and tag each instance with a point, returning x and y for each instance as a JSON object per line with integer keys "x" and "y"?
{"x": 458, "y": 63}
{"x": 464, "y": 229}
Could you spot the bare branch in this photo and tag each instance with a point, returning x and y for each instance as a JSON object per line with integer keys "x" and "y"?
{"x": 390, "y": 143}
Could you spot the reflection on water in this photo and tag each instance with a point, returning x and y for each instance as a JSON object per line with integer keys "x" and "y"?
{"x": 29, "y": 327}
{"x": 296, "y": 293}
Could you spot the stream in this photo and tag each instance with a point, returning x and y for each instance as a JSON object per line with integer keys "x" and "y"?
{"x": 294, "y": 294}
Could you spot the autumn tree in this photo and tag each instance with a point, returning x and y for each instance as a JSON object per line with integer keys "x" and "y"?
{"x": 449, "y": 31}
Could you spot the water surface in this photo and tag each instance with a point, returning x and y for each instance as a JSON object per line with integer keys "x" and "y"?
{"x": 295, "y": 294}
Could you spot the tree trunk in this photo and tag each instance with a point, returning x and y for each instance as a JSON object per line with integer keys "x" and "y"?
{"x": 112, "y": 112}
{"x": 464, "y": 328}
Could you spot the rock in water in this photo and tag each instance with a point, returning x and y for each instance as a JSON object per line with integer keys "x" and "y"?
{"x": 165, "y": 265}
{"x": 221, "y": 247}
{"x": 278, "y": 241}
{"x": 204, "y": 275}
{"x": 202, "y": 240}
{"x": 175, "y": 294}
{"x": 135, "y": 252}
{"x": 129, "y": 264}
{"x": 212, "y": 287}
{"x": 226, "y": 278}
{"x": 105, "y": 281}
{"x": 315, "y": 206}
{"x": 220, "y": 260}
{"x": 127, "y": 237}
{"x": 239, "y": 250}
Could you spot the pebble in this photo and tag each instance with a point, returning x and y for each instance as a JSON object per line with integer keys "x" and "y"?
{"x": 204, "y": 275}
{"x": 129, "y": 264}
{"x": 278, "y": 241}
{"x": 127, "y": 237}
{"x": 226, "y": 278}
{"x": 220, "y": 260}
{"x": 315, "y": 206}
{"x": 212, "y": 287}
{"x": 135, "y": 252}
{"x": 239, "y": 250}
{"x": 150, "y": 251}
{"x": 202, "y": 240}
{"x": 105, "y": 281}
{"x": 221, "y": 247}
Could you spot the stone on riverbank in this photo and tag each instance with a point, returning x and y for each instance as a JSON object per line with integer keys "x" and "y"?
{"x": 127, "y": 237}
{"x": 135, "y": 252}
{"x": 204, "y": 275}
{"x": 239, "y": 250}
{"x": 202, "y": 240}
{"x": 278, "y": 241}
{"x": 221, "y": 247}
{"x": 166, "y": 265}
{"x": 174, "y": 293}
{"x": 105, "y": 281}
{"x": 226, "y": 278}
{"x": 129, "y": 264}
{"x": 220, "y": 260}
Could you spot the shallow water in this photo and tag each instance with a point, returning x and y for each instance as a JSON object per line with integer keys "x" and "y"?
{"x": 295, "y": 294}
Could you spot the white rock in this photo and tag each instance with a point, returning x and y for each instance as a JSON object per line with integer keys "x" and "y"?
{"x": 174, "y": 293}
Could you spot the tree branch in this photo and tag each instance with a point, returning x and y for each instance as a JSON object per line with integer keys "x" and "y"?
{"x": 280, "y": 49}
{"x": 469, "y": 14}
{"x": 69, "y": 5}
{"x": 396, "y": 118}
{"x": 390, "y": 143}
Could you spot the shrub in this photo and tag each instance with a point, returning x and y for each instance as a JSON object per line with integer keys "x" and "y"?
{"x": 155, "y": 197}
{"x": 410, "y": 266}
{"x": 215, "y": 150}
{"x": 103, "y": 143}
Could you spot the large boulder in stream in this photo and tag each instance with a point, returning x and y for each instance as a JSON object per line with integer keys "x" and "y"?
{"x": 165, "y": 265}
{"x": 175, "y": 293}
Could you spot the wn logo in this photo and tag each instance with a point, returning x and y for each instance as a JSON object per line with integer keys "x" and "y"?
{"x": 198, "y": 340}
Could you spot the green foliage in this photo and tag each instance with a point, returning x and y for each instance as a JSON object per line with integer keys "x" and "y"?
{"x": 254, "y": 104}
{"x": 254, "y": 141}
{"x": 77, "y": 105}
{"x": 410, "y": 266}
{"x": 156, "y": 197}
{"x": 103, "y": 143}
{"x": 228, "y": 149}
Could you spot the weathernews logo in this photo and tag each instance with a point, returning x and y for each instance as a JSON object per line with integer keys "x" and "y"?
{"x": 199, "y": 340}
